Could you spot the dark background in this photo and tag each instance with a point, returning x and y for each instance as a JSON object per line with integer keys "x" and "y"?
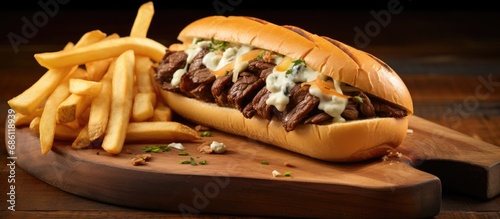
{"x": 443, "y": 33}
{"x": 419, "y": 20}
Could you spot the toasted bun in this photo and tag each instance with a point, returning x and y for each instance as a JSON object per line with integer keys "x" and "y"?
{"x": 339, "y": 142}
{"x": 325, "y": 55}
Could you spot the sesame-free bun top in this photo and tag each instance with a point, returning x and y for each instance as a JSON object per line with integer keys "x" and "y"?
{"x": 325, "y": 55}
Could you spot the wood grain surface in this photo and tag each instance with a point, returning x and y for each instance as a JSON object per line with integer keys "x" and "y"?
{"x": 236, "y": 182}
{"x": 448, "y": 59}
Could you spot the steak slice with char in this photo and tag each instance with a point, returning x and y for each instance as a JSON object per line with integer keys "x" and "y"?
{"x": 197, "y": 84}
{"x": 243, "y": 90}
{"x": 220, "y": 89}
{"x": 300, "y": 105}
{"x": 171, "y": 62}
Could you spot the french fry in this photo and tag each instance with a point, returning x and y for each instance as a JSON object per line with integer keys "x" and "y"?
{"x": 114, "y": 98}
{"x": 102, "y": 50}
{"x": 61, "y": 132}
{"x": 145, "y": 99}
{"x": 48, "y": 118}
{"x": 72, "y": 107}
{"x": 35, "y": 125}
{"x": 84, "y": 87}
{"x": 162, "y": 112}
{"x": 75, "y": 124}
{"x": 83, "y": 119}
{"x": 82, "y": 140}
{"x": 142, "y": 20}
{"x": 143, "y": 106}
{"x": 121, "y": 102}
{"x": 97, "y": 69}
{"x": 100, "y": 107}
{"x": 160, "y": 132}
{"x": 32, "y": 97}
{"x": 142, "y": 67}
{"x": 22, "y": 119}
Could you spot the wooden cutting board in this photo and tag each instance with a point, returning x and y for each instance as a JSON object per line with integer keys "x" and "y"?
{"x": 433, "y": 159}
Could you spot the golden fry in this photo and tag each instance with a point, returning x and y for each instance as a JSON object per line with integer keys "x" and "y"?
{"x": 22, "y": 119}
{"x": 32, "y": 97}
{"x": 48, "y": 118}
{"x": 61, "y": 132}
{"x": 72, "y": 107}
{"x": 143, "y": 106}
{"x": 121, "y": 102}
{"x": 99, "y": 109}
{"x": 160, "y": 132}
{"x": 97, "y": 69}
{"x": 82, "y": 140}
{"x": 142, "y": 67}
{"x": 162, "y": 112}
{"x": 102, "y": 50}
{"x": 35, "y": 125}
{"x": 84, "y": 87}
{"x": 142, "y": 20}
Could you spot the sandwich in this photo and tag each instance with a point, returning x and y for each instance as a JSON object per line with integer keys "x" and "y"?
{"x": 286, "y": 87}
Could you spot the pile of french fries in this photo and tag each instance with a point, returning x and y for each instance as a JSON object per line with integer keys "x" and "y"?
{"x": 101, "y": 88}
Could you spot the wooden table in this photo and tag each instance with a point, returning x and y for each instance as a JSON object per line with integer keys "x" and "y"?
{"x": 450, "y": 64}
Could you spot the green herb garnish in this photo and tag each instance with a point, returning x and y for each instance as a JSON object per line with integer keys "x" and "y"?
{"x": 298, "y": 62}
{"x": 156, "y": 149}
{"x": 217, "y": 45}
{"x": 359, "y": 99}
{"x": 264, "y": 162}
{"x": 295, "y": 63}
{"x": 287, "y": 173}
{"x": 205, "y": 134}
{"x": 192, "y": 161}
{"x": 185, "y": 162}
{"x": 184, "y": 153}
{"x": 198, "y": 40}
{"x": 261, "y": 54}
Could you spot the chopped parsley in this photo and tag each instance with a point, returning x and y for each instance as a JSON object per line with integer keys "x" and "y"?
{"x": 359, "y": 99}
{"x": 205, "y": 134}
{"x": 261, "y": 54}
{"x": 184, "y": 153}
{"x": 192, "y": 161}
{"x": 287, "y": 173}
{"x": 217, "y": 45}
{"x": 295, "y": 63}
{"x": 156, "y": 149}
{"x": 264, "y": 162}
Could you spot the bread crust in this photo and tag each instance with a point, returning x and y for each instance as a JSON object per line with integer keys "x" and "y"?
{"x": 338, "y": 142}
{"x": 327, "y": 56}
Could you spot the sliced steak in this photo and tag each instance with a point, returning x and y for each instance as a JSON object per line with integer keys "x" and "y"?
{"x": 197, "y": 84}
{"x": 300, "y": 105}
{"x": 244, "y": 90}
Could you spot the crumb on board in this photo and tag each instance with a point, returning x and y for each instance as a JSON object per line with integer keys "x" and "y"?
{"x": 392, "y": 154}
{"x": 140, "y": 159}
{"x": 205, "y": 148}
{"x": 409, "y": 131}
{"x": 200, "y": 128}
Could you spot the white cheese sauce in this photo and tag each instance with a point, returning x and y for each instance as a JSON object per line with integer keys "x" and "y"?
{"x": 279, "y": 83}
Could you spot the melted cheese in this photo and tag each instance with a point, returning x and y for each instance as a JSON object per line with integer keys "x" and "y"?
{"x": 279, "y": 83}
